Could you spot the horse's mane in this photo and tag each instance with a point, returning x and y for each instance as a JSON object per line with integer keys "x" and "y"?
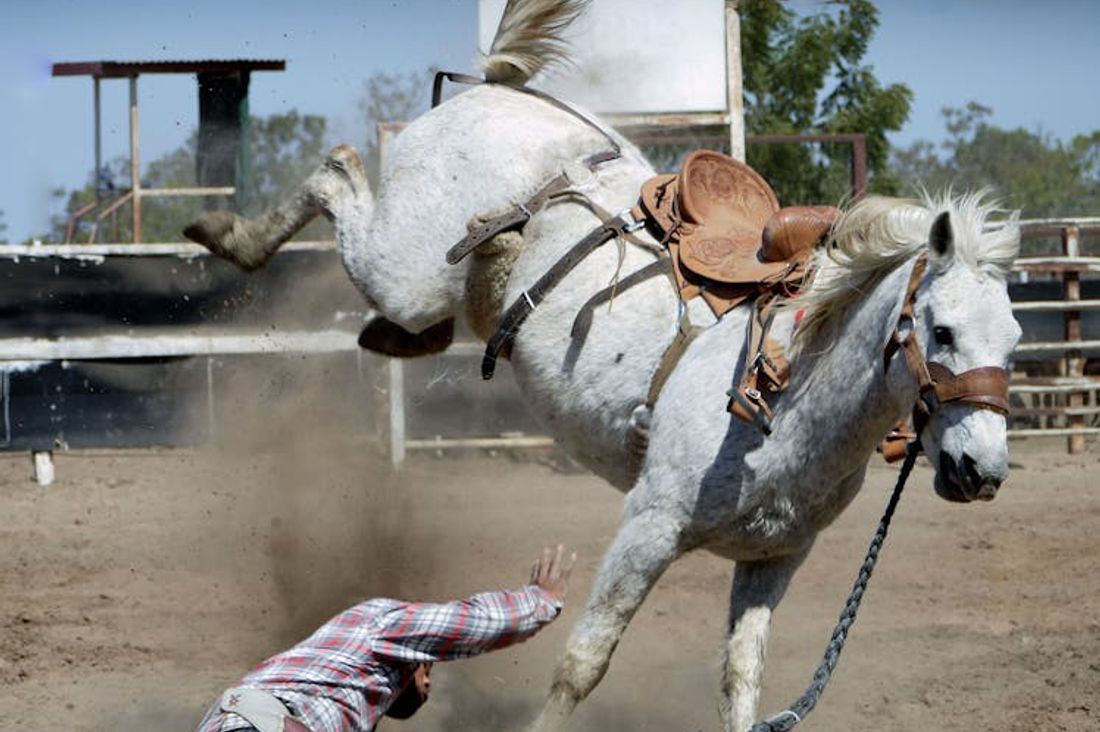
{"x": 529, "y": 38}
{"x": 877, "y": 234}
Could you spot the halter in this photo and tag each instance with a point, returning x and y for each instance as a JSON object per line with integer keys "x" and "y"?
{"x": 985, "y": 387}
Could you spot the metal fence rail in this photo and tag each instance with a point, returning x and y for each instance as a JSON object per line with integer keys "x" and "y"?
{"x": 99, "y": 251}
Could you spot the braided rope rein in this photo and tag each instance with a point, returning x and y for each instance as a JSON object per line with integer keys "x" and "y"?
{"x": 796, "y": 712}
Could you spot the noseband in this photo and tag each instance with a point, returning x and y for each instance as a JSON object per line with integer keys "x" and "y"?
{"x": 985, "y": 387}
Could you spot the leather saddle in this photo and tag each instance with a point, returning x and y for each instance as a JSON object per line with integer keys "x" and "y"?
{"x": 728, "y": 237}
{"x": 729, "y": 242}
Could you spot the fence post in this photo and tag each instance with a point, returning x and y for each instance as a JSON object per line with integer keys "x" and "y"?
{"x": 43, "y": 467}
{"x": 396, "y": 393}
{"x": 135, "y": 164}
{"x": 1073, "y": 365}
{"x": 735, "y": 103}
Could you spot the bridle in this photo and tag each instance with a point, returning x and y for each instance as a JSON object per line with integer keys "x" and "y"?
{"x": 985, "y": 387}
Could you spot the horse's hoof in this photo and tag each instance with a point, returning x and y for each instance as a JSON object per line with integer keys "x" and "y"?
{"x": 390, "y": 339}
{"x": 210, "y": 229}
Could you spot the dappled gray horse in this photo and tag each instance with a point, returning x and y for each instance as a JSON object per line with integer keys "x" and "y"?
{"x": 706, "y": 481}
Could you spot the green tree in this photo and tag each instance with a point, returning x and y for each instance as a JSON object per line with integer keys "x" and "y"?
{"x": 1041, "y": 176}
{"x": 806, "y": 75}
{"x": 284, "y": 148}
{"x": 3, "y": 225}
{"x": 391, "y": 98}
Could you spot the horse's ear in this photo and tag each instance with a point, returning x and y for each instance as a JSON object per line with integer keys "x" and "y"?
{"x": 942, "y": 239}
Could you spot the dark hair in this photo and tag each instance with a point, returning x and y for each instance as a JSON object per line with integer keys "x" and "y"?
{"x": 406, "y": 703}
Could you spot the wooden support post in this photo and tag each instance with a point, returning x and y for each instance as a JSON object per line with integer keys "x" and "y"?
{"x": 135, "y": 163}
{"x": 1074, "y": 363}
{"x": 735, "y": 94}
{"x": 43, "y": 467}
{"x": 396, "y": 393}
{"x": 395, "y": 390}
{"x": 98, "y": 144}
{"x": 5, "y": 398}
{"x": 859, "y": 165}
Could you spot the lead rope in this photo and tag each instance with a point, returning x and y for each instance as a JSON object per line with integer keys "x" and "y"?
{"x": 801, "y": 708}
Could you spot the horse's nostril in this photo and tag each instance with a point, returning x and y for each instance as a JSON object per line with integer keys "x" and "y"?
{"x": 985, "y": 486}
{"x": 970, "y": 471}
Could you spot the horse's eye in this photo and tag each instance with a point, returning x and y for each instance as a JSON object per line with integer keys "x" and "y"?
{"x": 943, "y": 336}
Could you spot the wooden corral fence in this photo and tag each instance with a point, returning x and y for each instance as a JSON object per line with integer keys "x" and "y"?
{"x": 1054, "y": 392}
{"x": 1067, "y": 401}
{"x": 384, "y": 378}
{"x": 129, "y": 344}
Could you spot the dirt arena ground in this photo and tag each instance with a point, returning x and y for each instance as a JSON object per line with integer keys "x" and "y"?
{"x": 141, "y": 583}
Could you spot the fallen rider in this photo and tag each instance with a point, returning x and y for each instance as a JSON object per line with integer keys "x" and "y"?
{"x": 375, "y": 659}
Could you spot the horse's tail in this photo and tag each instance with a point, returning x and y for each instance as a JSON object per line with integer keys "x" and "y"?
{"x": 529, "y": 38}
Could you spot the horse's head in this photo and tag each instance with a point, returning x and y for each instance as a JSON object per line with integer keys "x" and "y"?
{"x": 964, "y": 325}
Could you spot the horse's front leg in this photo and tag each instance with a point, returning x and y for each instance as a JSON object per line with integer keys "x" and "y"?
{"x": 249, "y": 243}
{"x": 757, "y": 589}
{"x": 645, "y": 545}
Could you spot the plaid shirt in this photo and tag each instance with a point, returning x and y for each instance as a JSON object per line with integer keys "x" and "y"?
{"x": 345, "y": 675}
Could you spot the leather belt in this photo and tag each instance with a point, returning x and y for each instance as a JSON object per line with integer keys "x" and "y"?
{"x": 261, "y": 709}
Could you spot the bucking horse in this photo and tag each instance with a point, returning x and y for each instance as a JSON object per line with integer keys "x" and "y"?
{"x": 481, "y": 210}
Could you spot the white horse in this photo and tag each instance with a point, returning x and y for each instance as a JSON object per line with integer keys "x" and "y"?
{"x": 707, "y": 481}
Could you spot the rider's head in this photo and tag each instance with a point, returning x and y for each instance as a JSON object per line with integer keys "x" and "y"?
{"x": 414, "y": 694}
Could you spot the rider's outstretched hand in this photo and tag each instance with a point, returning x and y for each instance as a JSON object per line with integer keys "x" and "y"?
{"x": 550, "y": 572}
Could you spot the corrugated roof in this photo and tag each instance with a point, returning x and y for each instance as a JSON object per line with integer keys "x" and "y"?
{"x": 122, "y": 69}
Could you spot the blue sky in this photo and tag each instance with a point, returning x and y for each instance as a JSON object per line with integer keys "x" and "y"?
{"x": 1031, "y": 62}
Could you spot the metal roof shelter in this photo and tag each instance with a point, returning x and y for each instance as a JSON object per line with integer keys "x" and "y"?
{"x": 222, "y": 166}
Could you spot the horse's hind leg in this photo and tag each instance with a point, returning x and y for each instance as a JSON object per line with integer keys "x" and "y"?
{"x": 647, "y": 542}
{"x": 757, "y": 589}
{"x": 249, "y": 243}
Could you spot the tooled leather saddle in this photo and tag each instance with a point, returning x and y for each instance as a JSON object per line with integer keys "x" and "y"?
{"x": 727, "y": 235}
{"x": 729, "y": 242}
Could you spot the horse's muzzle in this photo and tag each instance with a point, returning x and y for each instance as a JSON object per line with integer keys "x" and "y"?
{"x": 963, "y": 483}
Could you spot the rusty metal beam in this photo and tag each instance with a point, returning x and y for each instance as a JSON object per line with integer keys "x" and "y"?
{"x": 125, "y": 69}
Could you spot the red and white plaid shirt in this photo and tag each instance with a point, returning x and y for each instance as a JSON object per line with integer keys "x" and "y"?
{"x": 345, "y": 675}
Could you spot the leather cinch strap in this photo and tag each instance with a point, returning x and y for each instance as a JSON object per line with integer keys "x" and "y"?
{"x": 514, "y": 218}
{"x": 515, "y": 315}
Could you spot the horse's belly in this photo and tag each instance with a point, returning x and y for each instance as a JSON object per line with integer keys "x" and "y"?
{"x": 586, "y": 388}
